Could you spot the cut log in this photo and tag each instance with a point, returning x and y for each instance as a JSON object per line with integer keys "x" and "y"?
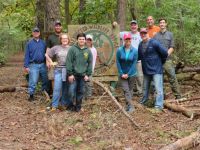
{"x": 11, "y": 89}
{"x": 190, "y": 69}
{"x": 183, "y": 100}
{"x": 116, "y": 102}
{"x": 185, "y": 143}
{"x": 178, "y": 108}
{"x": 7, "y": 89}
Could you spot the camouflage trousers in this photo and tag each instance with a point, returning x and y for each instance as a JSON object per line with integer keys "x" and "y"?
{"x": 170, "y": 73}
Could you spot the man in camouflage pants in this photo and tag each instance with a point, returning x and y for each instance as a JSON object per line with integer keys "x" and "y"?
{"x": 166, "y": 39}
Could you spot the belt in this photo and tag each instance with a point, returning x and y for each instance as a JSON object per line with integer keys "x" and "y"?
{"x": 37, "y": 62}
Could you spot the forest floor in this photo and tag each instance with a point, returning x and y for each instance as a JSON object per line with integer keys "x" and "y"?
{"x": 26, "y": 125}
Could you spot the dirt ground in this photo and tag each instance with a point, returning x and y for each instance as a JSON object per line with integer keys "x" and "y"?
{"x": 26, "y": 125}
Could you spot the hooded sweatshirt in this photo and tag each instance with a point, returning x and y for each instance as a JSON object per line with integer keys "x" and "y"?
{"x": 79, "y": 61}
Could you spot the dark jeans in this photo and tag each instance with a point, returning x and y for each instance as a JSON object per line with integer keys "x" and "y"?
{"x": 76, "y": 91}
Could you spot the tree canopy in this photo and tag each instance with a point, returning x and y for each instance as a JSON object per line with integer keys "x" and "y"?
{"x": 17, "y": 18}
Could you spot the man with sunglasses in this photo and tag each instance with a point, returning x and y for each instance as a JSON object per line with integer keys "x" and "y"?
{"x": 153, "y": 55}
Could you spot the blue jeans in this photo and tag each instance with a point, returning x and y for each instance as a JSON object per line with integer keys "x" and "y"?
{"x": 60, "y": 89}
{"x": 76, "y": 91}
{"x": 158, "y": 83}
{"x": 37, "y": 70}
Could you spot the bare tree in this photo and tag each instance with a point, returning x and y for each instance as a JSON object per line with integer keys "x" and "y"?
{"x": 133, "y": 9}
{"x": 121, "y": 15}
{"x": 40, "y": 13}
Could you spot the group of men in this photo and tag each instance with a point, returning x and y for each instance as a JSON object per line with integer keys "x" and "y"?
{"x": 79, "y": 65}
{"x": 155, "y": 45}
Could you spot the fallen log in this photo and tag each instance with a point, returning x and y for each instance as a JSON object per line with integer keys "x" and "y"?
{"x": 183, "y": 100}
{"x": 185, "y": 143}
{"x": 177, "y": 108}
{"x": 189, "y": 69}
{"x": 10, "y": 89}
{"x": 116, "y": 102}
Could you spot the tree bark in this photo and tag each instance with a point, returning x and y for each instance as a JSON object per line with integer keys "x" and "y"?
{"x": 52, "y": 13}
{"x": 184, "y": 143}
{"x": 177, "y": 108}
{"x": 81, "y": 10}
{"x": 133, "y": 9}
{"x": 121, "y": 15}
{"x": 67, "y": 15}
{"x": 40, "y": 16}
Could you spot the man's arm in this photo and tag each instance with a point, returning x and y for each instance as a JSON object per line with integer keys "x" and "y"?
{"x": 171, "y": 49}
{"x": 27, "y": 59}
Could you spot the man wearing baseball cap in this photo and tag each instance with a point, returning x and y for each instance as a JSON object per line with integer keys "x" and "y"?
{"x": 34, "y": 63}
{"x": 52, "y": 41}
{"x": 153, "y": 55}
{"x": 126, "y": 59}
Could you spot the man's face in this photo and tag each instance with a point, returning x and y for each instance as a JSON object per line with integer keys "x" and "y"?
{"x": 144, "y": 36}
{"x": 58, "y": 28}
{"x": 36, "y": 34}
{"x": 163, "y": 24}
{"x": 81, "y": 41}
{"x": 150, "y": 21}
{"x": 134, "y": 27}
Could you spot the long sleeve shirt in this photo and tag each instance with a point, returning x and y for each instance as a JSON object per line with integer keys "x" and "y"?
{"x": 35, "y": 52}
{"x": 153, "y": 57}
{"x": 126, "y": 64}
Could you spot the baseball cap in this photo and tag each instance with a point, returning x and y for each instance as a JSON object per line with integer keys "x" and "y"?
{"x": 143, "y": 30}
{"x": 134, "y": 21}
{"x": 36, "y": 29}
{"x": 89, "y": 36}
{"x": 57, "y": 22}
{"x": 127, "y": 36}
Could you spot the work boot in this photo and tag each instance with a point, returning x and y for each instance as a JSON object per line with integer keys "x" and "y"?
{"x": 31, "y": 98}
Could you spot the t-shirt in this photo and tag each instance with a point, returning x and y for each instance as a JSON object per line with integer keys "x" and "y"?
{"x": 60, "y": 54}
{"x": 53, "y": 40}
{"x": 135, "y": 40}
{"x": 153, "y": 30}
{"x": 94, "y": 56}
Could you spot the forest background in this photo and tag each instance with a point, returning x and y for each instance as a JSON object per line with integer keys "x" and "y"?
{"x": 18, "y": 17}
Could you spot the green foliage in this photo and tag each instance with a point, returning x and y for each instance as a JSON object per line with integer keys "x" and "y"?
{"x": 2, "y": 59}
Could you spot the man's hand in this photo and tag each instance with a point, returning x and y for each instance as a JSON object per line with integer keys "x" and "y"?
{"x": 86, "y": 78}
{"x": 26, "y": 70}
{"x": 125, "y": 76}
{"x": 71, "y": 78}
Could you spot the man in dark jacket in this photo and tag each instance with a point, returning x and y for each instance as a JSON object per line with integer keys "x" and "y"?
{"x": 79, "y": 68}
{"x": 153, "y": 56}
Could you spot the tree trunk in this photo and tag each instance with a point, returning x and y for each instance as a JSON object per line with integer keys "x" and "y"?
{"x": 52, "y": 13}
{"x": 81, "y": 10}
{"x": 40, "y": 13}
{"x": 67, "y": 15}
{"x": 121, "y": 15}
{"x": 133, "y": 9}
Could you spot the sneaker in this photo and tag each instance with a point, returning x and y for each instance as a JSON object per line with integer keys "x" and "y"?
{"x": 53, "y": 109}
{"x": 31, "y": 98}
{"x": 154, "y": 110}
{"x": 130, "y": 109}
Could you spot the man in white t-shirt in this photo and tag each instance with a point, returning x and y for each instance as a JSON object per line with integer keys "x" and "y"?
{"x": 135, "y": 41}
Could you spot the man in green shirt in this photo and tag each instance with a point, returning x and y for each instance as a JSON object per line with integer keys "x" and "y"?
{"x": 52, "y": 41}
{"x": 79, "y": 68}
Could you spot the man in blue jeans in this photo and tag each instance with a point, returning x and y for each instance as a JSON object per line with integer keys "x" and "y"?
{"x": 34, "y": 63}
{"x": 153, "y": 56}
{"x": 79, "y": 68}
